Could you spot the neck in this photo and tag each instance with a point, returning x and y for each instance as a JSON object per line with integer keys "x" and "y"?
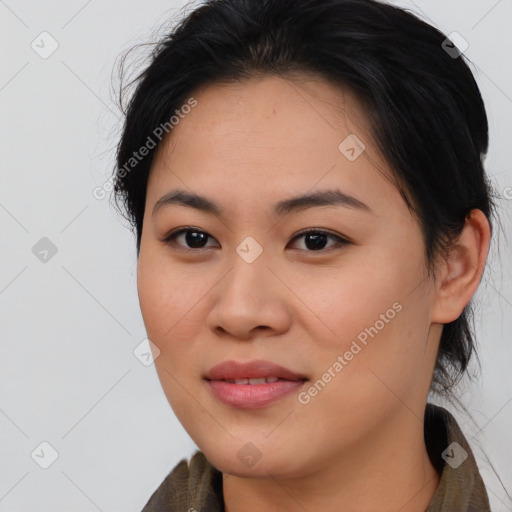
{"x": 389, "y": 471}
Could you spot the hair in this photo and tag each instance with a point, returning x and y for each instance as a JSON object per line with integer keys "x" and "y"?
{"x": 427, "y": 115}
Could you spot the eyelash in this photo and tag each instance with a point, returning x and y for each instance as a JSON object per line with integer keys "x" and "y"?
{"x": 169, "y": 239}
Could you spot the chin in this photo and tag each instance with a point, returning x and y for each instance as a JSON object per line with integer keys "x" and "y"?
{"x": 245, "y": 459}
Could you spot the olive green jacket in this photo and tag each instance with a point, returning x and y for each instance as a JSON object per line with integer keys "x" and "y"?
{"x": 197, "y": 487}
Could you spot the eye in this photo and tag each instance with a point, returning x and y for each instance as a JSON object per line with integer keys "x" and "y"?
{"x": 195, "y": 238}
{"x": 315, "y": 239}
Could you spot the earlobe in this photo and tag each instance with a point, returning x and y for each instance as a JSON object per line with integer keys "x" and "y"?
{"x": 461, "y": 271}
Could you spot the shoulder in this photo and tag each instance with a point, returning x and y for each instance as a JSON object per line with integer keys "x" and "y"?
{"x": 195, "y": 486}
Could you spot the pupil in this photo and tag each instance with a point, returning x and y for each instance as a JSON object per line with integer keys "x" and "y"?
{"x": 195, "y": 241}
{"x": 318, "y": 241}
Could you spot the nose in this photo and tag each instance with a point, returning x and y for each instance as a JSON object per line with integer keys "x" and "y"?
{"x": 250, "y": 301}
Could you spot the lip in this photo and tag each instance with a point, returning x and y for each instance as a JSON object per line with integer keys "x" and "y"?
{"x": 252, "y": 396}
{"x": 257, "y": 368}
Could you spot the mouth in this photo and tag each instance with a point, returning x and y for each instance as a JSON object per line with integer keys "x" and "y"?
{"x": 252, "y": 372}
{"x": 252, "y": 385}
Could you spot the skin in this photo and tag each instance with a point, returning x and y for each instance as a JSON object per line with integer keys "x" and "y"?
{"x": 359, "y": 441}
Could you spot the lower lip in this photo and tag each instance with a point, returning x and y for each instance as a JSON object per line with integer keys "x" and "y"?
{"x": 252, "y": 396}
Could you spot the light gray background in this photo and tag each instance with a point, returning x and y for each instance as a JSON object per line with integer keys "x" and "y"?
{"x": 68, "y": 329}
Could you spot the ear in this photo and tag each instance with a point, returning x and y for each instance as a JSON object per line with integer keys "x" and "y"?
{"x": 460, "y": 273}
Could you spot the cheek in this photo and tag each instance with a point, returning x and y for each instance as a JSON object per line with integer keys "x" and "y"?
{"x": 165, "y": 292}
{"x": 172, "y": 311}
{"x": 382, "y": 357}
{"x": 170, "y": 303}
{"x": 352, "y": 298}
{"x": 374, "y": 312}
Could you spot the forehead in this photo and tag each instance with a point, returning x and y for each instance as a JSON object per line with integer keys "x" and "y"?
{"x": 293, "y": 109}
{"x": 268, "y": 134}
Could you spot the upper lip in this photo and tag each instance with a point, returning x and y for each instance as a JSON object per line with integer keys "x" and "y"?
{"x": 250, "y": 370}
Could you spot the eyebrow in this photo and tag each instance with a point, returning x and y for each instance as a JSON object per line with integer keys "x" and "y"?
{"x": 321, "y": 198}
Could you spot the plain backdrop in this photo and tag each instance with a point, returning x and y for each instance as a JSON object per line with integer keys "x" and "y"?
{"x": 71, "y": 375}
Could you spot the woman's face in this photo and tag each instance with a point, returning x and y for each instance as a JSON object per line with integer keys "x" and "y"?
{"x": 348, "y": 309}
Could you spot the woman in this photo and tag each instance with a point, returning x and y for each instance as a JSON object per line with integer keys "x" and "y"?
{"x": 306, "y": 185}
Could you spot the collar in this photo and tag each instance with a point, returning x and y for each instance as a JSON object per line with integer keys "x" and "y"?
{"x": 461, "y": 487}
{"x": 197, "y": 486}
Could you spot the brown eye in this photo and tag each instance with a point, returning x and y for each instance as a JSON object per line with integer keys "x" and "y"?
{"x": 193, "y": 238}
{"x": 315, "y": 240}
